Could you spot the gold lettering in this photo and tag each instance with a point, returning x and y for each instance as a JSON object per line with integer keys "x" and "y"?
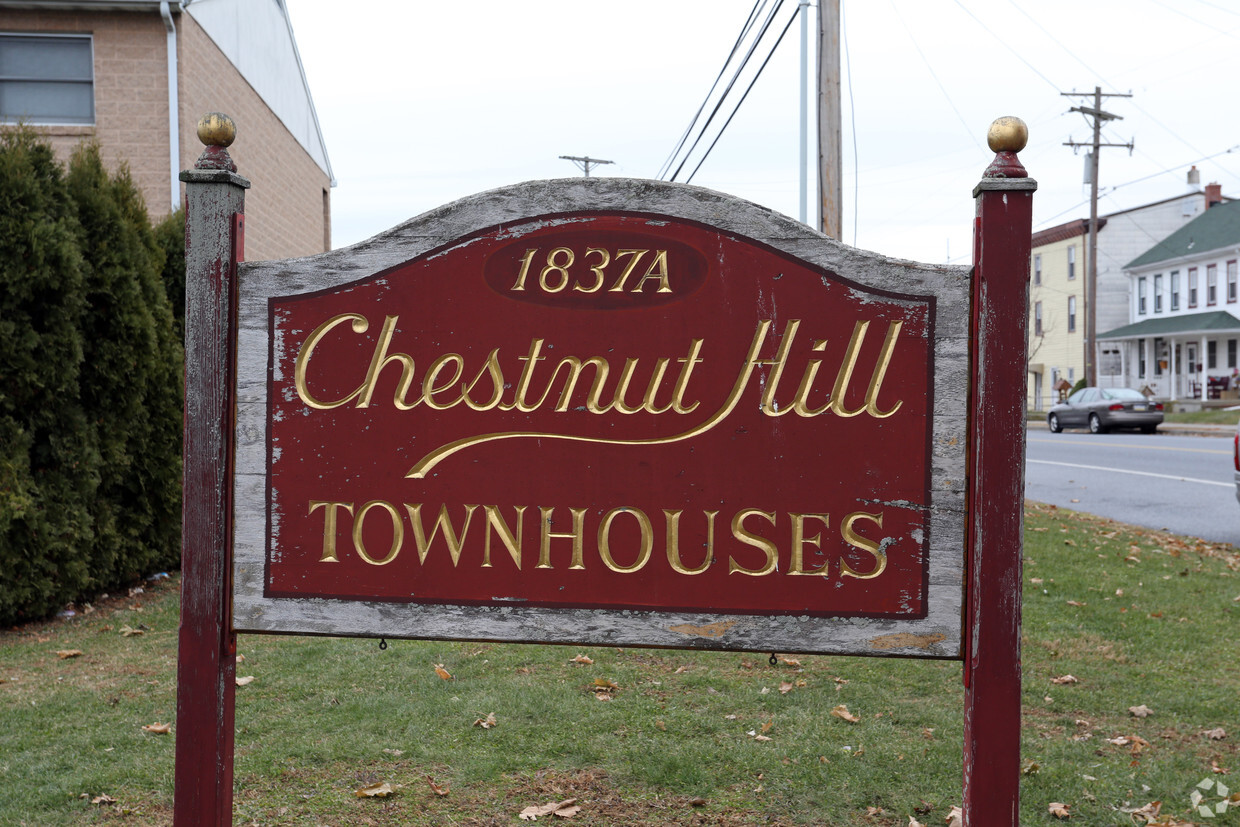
{"x": 673, "y": 542}
{"x": 575, "y": 367}
{"x": 380, "y": 360}
{"x": 660, "y": 262}
{"x": 453, "y": 540}
{"x": 844, "y": 376}
{"x": 302, "y": 365}
{"x": 398, "y": 533}
{"x": 750, "y": 539}
{"x": 429, "y": 389}
{"x": 880, "y": 370}
{"x": 523, "y": 384}
{"x": 329, "y": 526}
{"x": 801, "y": 403}
{"x": 597, "y": 270}
{"x": 769, "y": 405}
{"x": 547, "y": 535}
{"x": 854, "y": 539}
{"x": 604, "y": 540}
{"x": 799, "y": 541}
{"x": 497, "y": 384}
{"x": 634, "y": 257}
{"x": 553, "y": 267}
{"x": 525, "y": 269}
{"x": 511, "y": 541}
{"x": 622, "y": 387}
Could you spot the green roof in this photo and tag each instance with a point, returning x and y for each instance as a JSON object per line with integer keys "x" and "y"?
{"x": 1217, "y": 227}
{"x": 1216, "y": 321}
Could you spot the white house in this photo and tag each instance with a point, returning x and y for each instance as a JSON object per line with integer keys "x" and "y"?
{"x": 1184, "y": 311}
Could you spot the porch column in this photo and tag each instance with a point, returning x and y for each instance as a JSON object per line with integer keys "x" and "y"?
{"x": 1171, "y": 343}
{"x": 1203, "y": 392}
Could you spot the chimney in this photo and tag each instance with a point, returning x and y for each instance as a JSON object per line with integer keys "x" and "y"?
{"x": 1194, "y": 177}
{"x": 1214, "y": 194}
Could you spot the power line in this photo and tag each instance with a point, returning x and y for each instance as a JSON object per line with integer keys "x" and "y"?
{"x": 735, "y": 109}
{"x": 731, "y": 83}
{"x": 753, "y": 14}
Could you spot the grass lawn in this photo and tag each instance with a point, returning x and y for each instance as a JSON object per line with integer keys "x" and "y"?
{"x": 1211, "y": 416}
{"x": 1115, "y": 618}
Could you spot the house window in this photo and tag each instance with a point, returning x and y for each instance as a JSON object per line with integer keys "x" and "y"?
{"x": 1231, "y": 353}
{"x": 1158, "y": 293}
{"x": 1141, "y": 296}
{"x": 1071, "y": 314}
{"x": 47, "y": 79}
{"x": 1211, "y": 354}
{"x": 1072, "y": 262}
{"x": 1175, "y": 290}
{"x": 1141, "y": 357}
{"x": 1037, "y": 318}
{"x": 1211, "y": 284}
{"x": 1192, "y": 286}
{"x": 1037, "y": 268}
{"x": 1231, "y": 282}
{"x": 1159, "y": 359}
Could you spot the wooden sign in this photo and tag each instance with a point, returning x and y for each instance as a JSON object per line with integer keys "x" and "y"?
{"x": 672, "y": 419}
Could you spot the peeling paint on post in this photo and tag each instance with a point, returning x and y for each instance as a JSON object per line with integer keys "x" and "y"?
{"x": 206, "y": 657}
{"x": 1001, "y": 245}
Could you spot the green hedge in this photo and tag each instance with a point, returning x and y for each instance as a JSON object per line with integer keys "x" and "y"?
{"x": 91, "y": 367}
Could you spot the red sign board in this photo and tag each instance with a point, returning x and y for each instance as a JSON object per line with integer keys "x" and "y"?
{"x": 603, "y": 410}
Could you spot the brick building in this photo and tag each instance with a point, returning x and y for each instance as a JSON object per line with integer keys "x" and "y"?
{"x": 114, "y": 71}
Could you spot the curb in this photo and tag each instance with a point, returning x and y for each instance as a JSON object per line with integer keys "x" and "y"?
{"x": 1178, "y": 429}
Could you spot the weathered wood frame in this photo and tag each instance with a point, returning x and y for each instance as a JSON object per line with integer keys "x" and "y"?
{"x": 936, "y": 635}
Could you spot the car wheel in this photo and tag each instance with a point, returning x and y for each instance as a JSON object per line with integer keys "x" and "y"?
{"x": 1095, "y": 425}
{"x": 1148, "y": 429}
{"x": 1052, "y": 422}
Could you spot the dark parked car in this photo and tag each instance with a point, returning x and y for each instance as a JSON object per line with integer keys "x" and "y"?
{"x": 1101, "y": 409}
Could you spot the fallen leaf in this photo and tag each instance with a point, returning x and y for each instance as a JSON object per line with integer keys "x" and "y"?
{"x": 912, "y": 822}
{"x": 487, "y": 722}
{"x": 955, "y": 818}
{"x": 442, "y": 673}
{"x": 1141, "y": 711}
{"x": 660, "y": 726}
{"x": 785, "y": 688}
{"x": 380, "y": 789}
{"x": 1215, "y": 734}
{"x": 582, "y": 659}
{"x": 793, "y": 662}
{"x": 158, "y": 728}
{"x": 1030, "y": 767}
{"x": 1076, "y": 603}
{"x": 534, "y": 812}
{"x": 697, "y": 802}
{"x": 874, "y": 811}
{"x": 103, "y": 800}
{"x": 245, "y": 681}
{"x": 1149, "y": 813}
{"x": 64, "y": 654}
{"x": 1063, "y": 680}
{"x": 435, "y": 788}
{"x": 604, "y": 685}
{"x": 1059, "y": 810}
{"x": 129, "y": 631}
{"x": 842, "y": 712}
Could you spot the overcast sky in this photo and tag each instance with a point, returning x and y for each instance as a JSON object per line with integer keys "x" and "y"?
{"x": 425, "y": 102}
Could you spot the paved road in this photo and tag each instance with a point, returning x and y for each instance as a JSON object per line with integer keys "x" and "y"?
{"x": 1184, "y": 484}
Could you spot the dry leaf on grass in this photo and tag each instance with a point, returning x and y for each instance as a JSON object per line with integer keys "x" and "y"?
{"x": 582, "y": 659}
{"x": 435, "y": 788}
{"x": 157, "y": 728}
{"x": 245, "y": 681}
{"x": 955, "y": 818}
{"x": 793, "y": 662}
{"x": 842, "y": 713}
{"x": 785, "y": 688}
{"x": 442, "y": 673}
{"x": 1141, "y": 711}
{"x": 64, "y": 654}
{"x": 1217, "y": 734}
{"x": 1148, "y": 814}
{"x": 912, "y": 822}
{"x": 1065, "y": 680}
{"x": 103, "y": 800}
{"x": 563, "y": 809}
{"x": 487, "y": 722}
{"x": 1030, "y": 767}
{"x": 380, "y": 789}
{"x": 129, "y": 631}
{"x": 1059, "y": 810}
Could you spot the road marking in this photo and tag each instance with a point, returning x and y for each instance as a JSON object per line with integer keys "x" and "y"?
{"x": 1126, "y": 471}
{"x": 1129, "y": 446}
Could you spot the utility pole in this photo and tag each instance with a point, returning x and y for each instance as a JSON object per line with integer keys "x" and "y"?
{"x": 585, "y": 164}
{"x": 803, "y": 202}
{"x": 830, "y": 163}
{"x": 1091, "y": 272}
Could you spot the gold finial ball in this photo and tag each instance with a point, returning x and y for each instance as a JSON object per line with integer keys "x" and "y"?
{"x": 1007, "y": 134}
{"x": 216, "y": 129}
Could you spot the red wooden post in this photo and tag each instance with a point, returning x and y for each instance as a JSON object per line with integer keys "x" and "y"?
{"x": 1001, "y": 246}
{"x": 206, "y": 659}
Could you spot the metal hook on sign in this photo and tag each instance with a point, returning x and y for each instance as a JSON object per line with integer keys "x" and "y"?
{"x": 383, "y": 644}
{"x": 772, "y": 660}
